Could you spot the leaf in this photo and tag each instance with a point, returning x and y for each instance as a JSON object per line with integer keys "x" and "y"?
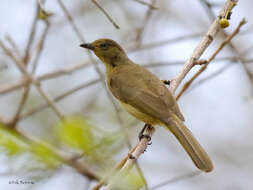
{"x": 77, "y": 133}
{"x": 11, "y": 142}
{"x": 130, "y": 180}
{"x": 44, "y": 153}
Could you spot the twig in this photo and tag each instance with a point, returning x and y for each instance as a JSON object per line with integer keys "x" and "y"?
{"x": 211, "y": 76}
{"x": 176, "y": 179}
{"x": 115, "y": 169}
{"x": 132, "y": 157}
{"x": 81, "y": 167}
{"x": 58, "y": 98}
{"x": 141, "y": 30}
{"x": 231, "y": 45}
{"x": 22, "y": 68}
{"x": 20, "y": 107}
{"x": 31, "y": 35}
{"x": 106, "y": 14}
{"x": 13, "y": 45}
{"x": 47, "y": 76}
{"x": 134, "y": 48}
{"x": 40, "y": 47}
{"x": 151, "y": 6}
{"x": 207, "y": 62}
{"x": 202, "y": 46}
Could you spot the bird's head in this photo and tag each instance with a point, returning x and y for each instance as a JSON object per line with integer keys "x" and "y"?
{"x": 108, "y": 51}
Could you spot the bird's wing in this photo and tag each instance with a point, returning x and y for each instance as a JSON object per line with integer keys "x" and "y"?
{"x": 148, "y": 94}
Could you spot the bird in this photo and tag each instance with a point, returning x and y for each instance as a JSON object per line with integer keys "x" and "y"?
{"x": 146, "y": 97}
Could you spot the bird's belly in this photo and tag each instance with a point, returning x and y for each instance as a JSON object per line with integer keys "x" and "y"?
{"x": 140, "y": 115}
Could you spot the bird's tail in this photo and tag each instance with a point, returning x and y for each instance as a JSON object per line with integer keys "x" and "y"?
{"x": 198, "y": 155}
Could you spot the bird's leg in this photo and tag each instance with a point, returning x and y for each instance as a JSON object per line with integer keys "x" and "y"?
{"x": 142, "y": 135}
{"x": 166, "y": 82}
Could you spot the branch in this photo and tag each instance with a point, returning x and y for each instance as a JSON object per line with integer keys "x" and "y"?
{"x": 207, "y": 62}
{"x": 79, "y": 166}
{"x": 202, "y": 46}
{"x": 22, "y": 68}
{"x": 151, "y": 6}
{"x": 58, "y": 98}
{"x": 106, "y": 14}
{"x": 133, "y": 156}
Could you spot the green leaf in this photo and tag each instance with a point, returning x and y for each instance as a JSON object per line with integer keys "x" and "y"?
{"x": 44, "y": 153}
{"x": 130, "y": 180}
{"x": 77, "y": 133}
{"x": 11, "y": 142}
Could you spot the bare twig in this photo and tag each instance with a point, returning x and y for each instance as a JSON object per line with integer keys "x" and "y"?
{"x": 106, "y": 14}
{"x": 32, "y": 79}
{"x": 151, "y": 6}
{"x": 207, "y": 62}
{"x": 132, "y": 157}
{"x": 58, "y": 98}
{"x": 79, "y": 166}
{"x": 115, "y": 169}
{"x": 134, "y": 47}
{"x": 202, "y": 46}
{"x": 141, "y": 30}
{"x": 176, "y": 179}
{"x": 13, "y": 45}
{"x": 31, "y": 35}
{"x": 40, "y": 47}
{"x": 231, "y": 45}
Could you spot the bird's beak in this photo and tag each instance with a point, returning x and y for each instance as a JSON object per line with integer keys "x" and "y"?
{"x": 87, "y": 45}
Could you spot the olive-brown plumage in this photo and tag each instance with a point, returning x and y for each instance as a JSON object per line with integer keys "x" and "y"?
{"x": 146, "y": 97}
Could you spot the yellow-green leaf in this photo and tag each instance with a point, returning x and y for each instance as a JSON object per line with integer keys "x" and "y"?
{"x": 11, "y": 142}
{"x": 77, "y": 133}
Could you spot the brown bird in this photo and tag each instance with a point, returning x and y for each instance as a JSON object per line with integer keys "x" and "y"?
{"x": 146, "y": 97}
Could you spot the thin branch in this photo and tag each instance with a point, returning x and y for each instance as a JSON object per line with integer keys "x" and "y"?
{"x": 13, "y": 45}
{"x": 211, "y": 76}
{"x": 134, "y": 47}
{"x": 40, "y": 47}
{"x": 80, "y": 166}
{"x": 231, "y": 45}
{"x": 31, "y": 35}
{"x": 20, "y": 107}
{"x": 132, "y": 157}
{"x": 207, "y": 62}
{"x": 106, "y": 14}
{"x": 22, "y": 68}
{"x": 176, "y": 179}
{"x": 201, "y": 47}
{"x": 115, "y": 169}
{"x": 151, "y": 6}
{"x": 47, "y": 76}
{"x": 140, "y": 31}
{"x": 41, "y": 107}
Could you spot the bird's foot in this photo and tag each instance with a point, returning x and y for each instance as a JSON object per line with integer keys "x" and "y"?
{"x": 142, "y": 135}
{"x": 166, "y": 82}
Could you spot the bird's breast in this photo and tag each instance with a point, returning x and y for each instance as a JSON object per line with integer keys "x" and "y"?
{"x": 139, "y": 115}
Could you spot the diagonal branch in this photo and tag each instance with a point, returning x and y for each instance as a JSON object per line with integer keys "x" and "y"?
{"x": 22, "y": 68}
{"x": 106, "y": 14}
{"x": 207, "y": 62}
{"x": 201, "y": 47}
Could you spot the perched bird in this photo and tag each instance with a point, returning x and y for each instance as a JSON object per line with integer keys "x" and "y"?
{"x": 146, "y": 97}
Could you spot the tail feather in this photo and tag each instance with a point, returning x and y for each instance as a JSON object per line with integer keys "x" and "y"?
{"x": 198, "y": 155}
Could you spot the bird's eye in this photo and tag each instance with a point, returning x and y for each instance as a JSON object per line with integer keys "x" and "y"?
{"x": 104, "y": 45}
